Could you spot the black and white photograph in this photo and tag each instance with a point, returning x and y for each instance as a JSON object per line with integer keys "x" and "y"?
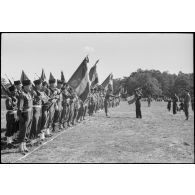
{"x": 97, "y": 98}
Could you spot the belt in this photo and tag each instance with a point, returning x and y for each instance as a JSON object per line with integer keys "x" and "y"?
{"x": 36, "y": 106}
{"x": 27, "y": 110}
{"x": 12, "y": 111}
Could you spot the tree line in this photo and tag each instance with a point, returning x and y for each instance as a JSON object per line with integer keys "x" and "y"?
{"x": 155, "y": 83}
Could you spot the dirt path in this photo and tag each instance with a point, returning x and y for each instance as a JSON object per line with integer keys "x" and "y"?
{"x": 159, "y": 137}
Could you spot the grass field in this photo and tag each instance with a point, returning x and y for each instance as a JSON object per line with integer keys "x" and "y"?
{"x": 159, "y": 137}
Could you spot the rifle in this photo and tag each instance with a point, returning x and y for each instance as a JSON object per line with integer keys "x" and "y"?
{"x": 53, "y": 102}
{"x": 39, "y": 77}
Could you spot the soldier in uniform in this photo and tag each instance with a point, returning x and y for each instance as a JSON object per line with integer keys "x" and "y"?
{"x": 11, "y": 115}
{"x": 45, "y": 88}
{"x": 91, "y": 102}
{"x": 65, "y": 105}
{"x": 46, "y": 105}
{"x": 18, "y": 85}
{"x": 108, "y": 95}
{"x": 37, "y": 111}
{"x": 169, "y": 104}
{"x": 187, "y": 100}
{"x": 138, "y": 103}
{"x": 25, "y": 114}
{"x": 175, "y": 100}
{"x": 76, "y": 108}
{"x": 71, "y": 113}
{"x": 149, "y": 101}
{"x": 54, "y": 96}
{"x": 58, "y": 110}
{"x": 80, "y": 110}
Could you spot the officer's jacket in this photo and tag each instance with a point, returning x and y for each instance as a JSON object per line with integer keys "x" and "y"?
{"x": 37, "y": 98}
{"x": 65, "y": 97}
{"x": 187, "y": 99}
{"x": 25, "y": 101}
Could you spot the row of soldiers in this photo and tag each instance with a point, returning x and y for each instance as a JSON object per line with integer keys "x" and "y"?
{"x": 35, "y": 110}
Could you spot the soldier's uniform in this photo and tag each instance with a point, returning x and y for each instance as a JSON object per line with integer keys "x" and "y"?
{"x": 53, "y": 108}
{"x": 76, "y": 108}
{"x": 138, "y": 105}
{"x": 58, "y": 108}
{"x": 37, "y": 112}
{"x": 169, "y": 104}
{"x": 46, "y": 103}
{"x": 91, "y": 103}
{"x": 71, "y": 113}
{"x": 149, "y": 101}
{"x": 186, "y": 104}
{"x": 18, "y": 87}
{"x": 108, "y": 96}
{"x": 175, "y": 100}
{"x": 12, "y": 124}
{"x": 80, "y": 111}
{"x": 25, "y": 116}
{"x": 65, "y": 107}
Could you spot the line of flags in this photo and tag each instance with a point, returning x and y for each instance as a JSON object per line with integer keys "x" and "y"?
{"x": 81, "y": 81}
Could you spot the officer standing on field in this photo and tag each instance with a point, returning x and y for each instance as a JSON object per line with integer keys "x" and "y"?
{"x": 138, "y": 103}
{"x": 175, "y": 100}
{"x": 187, "y": 100}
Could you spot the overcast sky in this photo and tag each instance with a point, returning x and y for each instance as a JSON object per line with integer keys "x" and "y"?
{"x": 120, "y": 54}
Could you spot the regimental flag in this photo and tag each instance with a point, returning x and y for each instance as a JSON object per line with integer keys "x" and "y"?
{"x": 131, "y": 99}
{"x": 108, "y": 82}
{"x": 23, "y": 77}
{"x": 93, "y": 76}
{"x": 62, "y": 77}
{"x": 79, "y": 80}
{"x": 43, "y": 77}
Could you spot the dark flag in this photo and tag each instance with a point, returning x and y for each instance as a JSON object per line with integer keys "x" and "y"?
{"x": 43, "y": 77}
{"x": 93, "y": 76}
{"x": 62, "y": 77}
{"x": 108, "y": 81}
{"x": 79, "y": 80}
{"x": 23, "y": 77}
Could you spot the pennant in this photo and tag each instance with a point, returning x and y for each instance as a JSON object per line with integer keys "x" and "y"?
{"x": 23, "y": 77}
{"x": 43, "y": 77}
{"x": 93, "y": 76}
{"x": 79, "y": 80}
{"x": 62, "y": 77}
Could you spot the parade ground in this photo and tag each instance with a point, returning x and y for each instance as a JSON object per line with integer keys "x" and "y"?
{"x": 159, "y": 137}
